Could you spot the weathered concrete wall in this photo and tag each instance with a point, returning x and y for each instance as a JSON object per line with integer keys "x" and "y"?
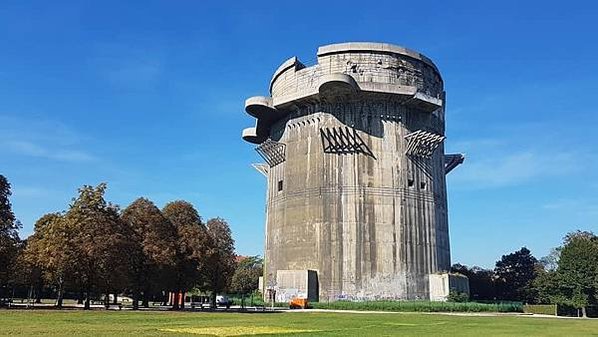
{"x": 296, "y": 283}
{"x": 348, "y": 200}
{"x": 441, "y": 284}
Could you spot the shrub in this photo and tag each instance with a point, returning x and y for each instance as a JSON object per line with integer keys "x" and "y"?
{"x": 419, "y": 306}
{"x": 455, "y": 296}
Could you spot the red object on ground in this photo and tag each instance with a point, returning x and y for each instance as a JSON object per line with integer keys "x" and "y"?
{"x": 298, "y": 303}
{"x": 178, "y": 298}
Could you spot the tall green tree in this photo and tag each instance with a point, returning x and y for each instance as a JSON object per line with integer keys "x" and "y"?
{"x": 191, "y": 246}
{"x": 514, "y": 275}
{"x": 246, "y": 277}
{"x": 577, "y": 272}
{"x": 220, "y": 265}
{"x": 152, "y": 259}
{"x": 101, "y": 240}
{"x": 548, "y": 287}
{"x": 9, "y": 237}
{"x": 481, "y": 281}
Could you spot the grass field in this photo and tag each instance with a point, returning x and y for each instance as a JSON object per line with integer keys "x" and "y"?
{"x": 127, "y": 323}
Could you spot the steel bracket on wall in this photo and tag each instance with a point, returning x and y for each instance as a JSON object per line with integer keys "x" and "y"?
{"x": 422, "y": 143}
{"x": 272, "y": 152}
{"x": 343, "y": 140}
{"x": 452, "y": 160}
{"x": 262, "y": 168}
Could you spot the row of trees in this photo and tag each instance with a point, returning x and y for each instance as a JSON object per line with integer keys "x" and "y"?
{"x": 510, "y": 280}
{"x": 95, "y": 249}
{"x": 567, "y": 276}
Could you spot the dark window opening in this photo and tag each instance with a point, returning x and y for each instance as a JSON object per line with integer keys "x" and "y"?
{"x": 422, "y": 185}
{"x": 279, "y": 185}
{"x": 410, "y": 182}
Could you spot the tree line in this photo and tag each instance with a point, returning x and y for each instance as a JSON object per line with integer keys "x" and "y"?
{"x": 95, "y": 249}
{"x": 567, "y": 276}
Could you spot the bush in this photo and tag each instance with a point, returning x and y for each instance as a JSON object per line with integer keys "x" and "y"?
{"x": 255, "y": 299}
{"x": 455, "y": 296}
{"x": 419, "y": 306}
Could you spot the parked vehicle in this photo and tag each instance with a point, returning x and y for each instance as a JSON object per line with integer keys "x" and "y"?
{"x": 223, "y": 301}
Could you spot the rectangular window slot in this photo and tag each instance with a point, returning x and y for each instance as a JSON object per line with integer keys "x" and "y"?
{"x": 279, "y": 185}
{"x": 422, "y": 185}
{"x": 410, "y": 182}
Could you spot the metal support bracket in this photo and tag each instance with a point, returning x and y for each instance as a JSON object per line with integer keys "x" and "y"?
{"x": 422, "y": 144}
{"x": 272, "y": 152}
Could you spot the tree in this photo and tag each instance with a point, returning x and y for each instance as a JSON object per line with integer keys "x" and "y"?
{"x": 101, "y": 242}
{"x": 246, "y": 276}
{"x": 220, "y": 264}
{"x": 481, "y": 281}
{"x": 49, "y": 253}
{"x": 191, "y": 246}
{"x": 547, "y": 282}
{"x": 152, "y": 257}
{"x": 514, "y": 274}
{"x": 9, "y": 237}
{"x": 548, "y": 288}
{"x": 550, "y": 262}
{"x": 577, "y": 272}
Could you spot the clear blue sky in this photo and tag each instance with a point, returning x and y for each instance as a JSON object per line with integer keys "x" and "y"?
{"x": 148, "y": 96}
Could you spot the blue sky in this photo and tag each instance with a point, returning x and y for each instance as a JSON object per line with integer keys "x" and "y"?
{"x": 148, "y": 96}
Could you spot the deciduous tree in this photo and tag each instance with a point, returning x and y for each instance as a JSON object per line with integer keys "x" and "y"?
{"x": 220, "y": 264}
{"x": 101, "y": 240}
{"x": 548, "y": 288}
{"x": 152, "y": 258}
{"x": 246, "y": 276}
{"x": 481, "y": 281}
{"x": 577, "y": 272}
{"x": 50, "y": 251}
{"x": 191, "y": 245}
{"x": 550, "y": 262}
{"x": 514, "y": 274}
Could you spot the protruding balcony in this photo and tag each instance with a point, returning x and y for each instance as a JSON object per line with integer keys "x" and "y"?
{"x": 250, "y": 135}
{"x": 260, "y": 107}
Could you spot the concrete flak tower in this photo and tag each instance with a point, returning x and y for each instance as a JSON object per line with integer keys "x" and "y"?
{"x": 355, "y": 164}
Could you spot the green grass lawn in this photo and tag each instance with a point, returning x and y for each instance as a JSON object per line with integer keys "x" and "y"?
{"x": 114, "y": 323}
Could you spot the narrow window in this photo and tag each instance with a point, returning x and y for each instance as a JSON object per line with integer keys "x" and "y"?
{"x": 422, "y": 185}
{"x": 410, "y": 182}
{"x": 279, "y": 185}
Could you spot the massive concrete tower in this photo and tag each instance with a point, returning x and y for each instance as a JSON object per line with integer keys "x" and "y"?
{"x": 356, "y": 169}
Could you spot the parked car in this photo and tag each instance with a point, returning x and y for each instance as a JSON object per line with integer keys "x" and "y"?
{"x": 223, "y": 301}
